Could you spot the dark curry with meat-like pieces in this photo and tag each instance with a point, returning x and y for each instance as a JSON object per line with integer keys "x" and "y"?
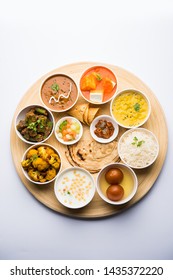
{"x": 36, "y": 126}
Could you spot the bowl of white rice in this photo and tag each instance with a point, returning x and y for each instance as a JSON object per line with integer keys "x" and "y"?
{"x": 138, "y": 148}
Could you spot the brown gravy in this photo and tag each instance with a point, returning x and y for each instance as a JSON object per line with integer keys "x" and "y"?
{"x": 59, "y": 92}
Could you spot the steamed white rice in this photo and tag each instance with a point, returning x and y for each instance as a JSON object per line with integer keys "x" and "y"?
{"x": 138, "y": 148}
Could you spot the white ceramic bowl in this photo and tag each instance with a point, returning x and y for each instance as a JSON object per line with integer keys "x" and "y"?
{"x": 108, "y": 119}
{"x": 72, "y": 86}
{"x": 24, "y": 158}
{"x": 138, "y": 148}
{"x": 21, "y": 116}
{"x": 70, "y": 142}
{"x": 129, "y": 190}
{"x": 74, "y": 187}
{"x": 134, "y": 92}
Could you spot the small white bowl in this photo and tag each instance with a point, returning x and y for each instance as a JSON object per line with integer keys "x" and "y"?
{"x": 129, "y": 192}
{"x": 74, "y": 187}
{"x": 24, "y": 158}
{"x": 135, "y": 92}
{"x": 21, "y": 116}
{"x": 108, "y": 119}
{"x": 138, "y": 143}
{"x": 70, "y": 142}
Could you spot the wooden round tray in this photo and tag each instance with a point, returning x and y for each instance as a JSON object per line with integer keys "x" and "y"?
{"x": 146, "y": 177}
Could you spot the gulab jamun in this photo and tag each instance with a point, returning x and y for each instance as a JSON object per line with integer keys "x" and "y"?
{"x": 114, "y": 176}
{"x": 115, "y": 192}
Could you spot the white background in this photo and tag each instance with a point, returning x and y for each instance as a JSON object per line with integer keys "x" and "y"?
{"x": 39, "y": 36}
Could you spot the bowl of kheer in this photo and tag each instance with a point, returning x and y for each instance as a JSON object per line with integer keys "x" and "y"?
{"x": 74, "y": 187}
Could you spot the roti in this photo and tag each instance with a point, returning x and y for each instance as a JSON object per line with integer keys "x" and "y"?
{"x": 91, "y": 155}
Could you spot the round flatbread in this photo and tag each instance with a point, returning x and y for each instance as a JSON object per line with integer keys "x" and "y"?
{"x": 91, "y": 155}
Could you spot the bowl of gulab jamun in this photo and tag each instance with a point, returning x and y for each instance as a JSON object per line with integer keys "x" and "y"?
{"x": 116, "y": 183}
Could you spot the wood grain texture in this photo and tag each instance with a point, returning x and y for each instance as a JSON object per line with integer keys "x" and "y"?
{"x": 146, "y": 177}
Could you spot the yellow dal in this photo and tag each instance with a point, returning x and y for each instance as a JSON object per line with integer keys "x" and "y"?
{"x": 123, "y": 108}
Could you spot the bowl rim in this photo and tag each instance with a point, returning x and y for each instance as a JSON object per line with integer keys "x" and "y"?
{"x": 67, "y": 170}
{"x": 132, "y": 90}
{"x": 138, "y": 129}
{"x": 73, "y": 141}
{"x": 28, "y": 107}
{"x": 116, "y": 165}
{"x": 102, "y": 140}
{"x": 92, "y": 67}
{"x": 24, "y": 157}
{"x": 50, "y": 76}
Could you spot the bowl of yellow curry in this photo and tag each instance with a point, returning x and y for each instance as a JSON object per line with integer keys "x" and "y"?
{"x": 41, "y": 163}
{"x": 130, "y": 108}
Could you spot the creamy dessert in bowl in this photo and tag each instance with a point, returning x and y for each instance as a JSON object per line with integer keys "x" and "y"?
{"x": 74, "y": 187}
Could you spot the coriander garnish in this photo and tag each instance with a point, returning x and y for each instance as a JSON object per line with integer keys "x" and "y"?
{"x": 137, "y": 142}
{"x": 55, "y": 87}
{"x": 140, "y": 143}
{"x": 98, "y": 76}
{"x": 137, "y": 107}
{"x": 32, "y": 126}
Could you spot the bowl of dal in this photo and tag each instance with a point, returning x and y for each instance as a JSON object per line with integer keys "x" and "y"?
{"x": 59, "y": 92}
{"x": 130, "y": 108}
